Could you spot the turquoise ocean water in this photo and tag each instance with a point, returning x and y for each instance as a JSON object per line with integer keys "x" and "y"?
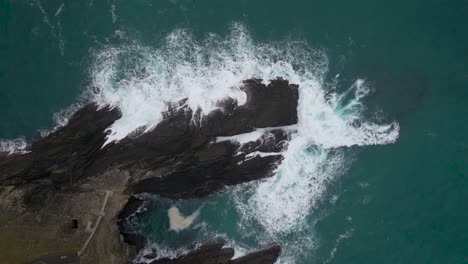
{"x": 355, "y": 189}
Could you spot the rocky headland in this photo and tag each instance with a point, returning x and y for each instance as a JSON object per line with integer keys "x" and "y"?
{"x": 71, "y": 176}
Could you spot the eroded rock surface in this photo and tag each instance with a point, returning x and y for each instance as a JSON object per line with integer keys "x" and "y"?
{"x": 177, "y": 159}
{"x": 182, "y": 157}
{"x": 217, "y": 253}
{"x": 64, "y": 155}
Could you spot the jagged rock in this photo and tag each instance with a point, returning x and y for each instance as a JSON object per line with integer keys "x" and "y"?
{"x": 64, "y": 155}
{"x": 178, "y": 159}
{"x": 265, "y": 256}
{"x": 132, "y": 206}
{"x": 216, "y": 253}
{"x": 176, "y": 147}
{"x": 212, "y": 253}
{"x": 177, "y": 151}
{"x": 134, "y": 240}
{"x": 272, "y": 105}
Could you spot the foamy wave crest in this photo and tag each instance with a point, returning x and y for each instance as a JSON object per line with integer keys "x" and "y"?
{"x": 329, "y": 123}
{"x": 141, "y": 80}
{"x": 17, "y": 145}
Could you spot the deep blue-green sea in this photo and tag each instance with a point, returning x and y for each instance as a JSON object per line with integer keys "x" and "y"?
{"x": 376, "y": 170}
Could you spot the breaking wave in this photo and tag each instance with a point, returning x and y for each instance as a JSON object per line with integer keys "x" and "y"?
{"x": 143, "y": 80}
{"x": 17, "y": 145}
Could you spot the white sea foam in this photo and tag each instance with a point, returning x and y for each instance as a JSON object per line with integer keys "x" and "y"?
{"x": 315, "y": 156}
{"x": 179, "y": 222}
{"x": 242, "y": 138}
{"x": 17, "y": 145}
{"x": 283, "y": 201}
{"x": 142, "y": 81}
{"x": 254, "y": 135}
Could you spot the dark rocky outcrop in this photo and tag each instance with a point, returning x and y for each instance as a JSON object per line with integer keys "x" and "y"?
{"x": 216, "y": 253}
{"x": 177, "y": 159}
{"x": 180, "y": 158}
{"x": 271, "y": 105}
{"x": 132, "y": 206}
{"x": 64, "y": 155}
{"x": 264, "y": 256}
{"x": 135, "y": 240}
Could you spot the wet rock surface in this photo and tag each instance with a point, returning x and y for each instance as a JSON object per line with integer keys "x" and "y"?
{"x": 264, "y": 256}
{"x": 181, "y": 158}
{"x": 217, "y": 253}
{"x": 64, "y": 155}
{"x": 177, "y": 159}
